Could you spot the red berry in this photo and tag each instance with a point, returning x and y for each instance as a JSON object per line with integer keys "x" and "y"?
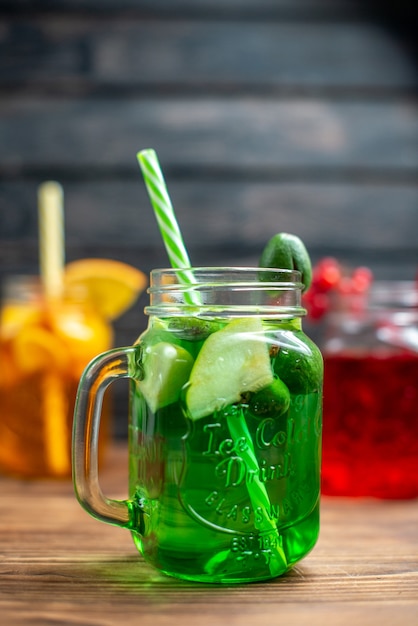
{"x": 327, "y": 274}
{"x": 317, "y": 305}
{"x": 362, "y": 279}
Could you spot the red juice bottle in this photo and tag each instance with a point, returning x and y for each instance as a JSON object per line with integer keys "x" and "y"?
{"x": 370, "y": 428}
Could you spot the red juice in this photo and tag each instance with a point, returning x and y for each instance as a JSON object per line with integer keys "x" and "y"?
{"x": 370, "y": 425}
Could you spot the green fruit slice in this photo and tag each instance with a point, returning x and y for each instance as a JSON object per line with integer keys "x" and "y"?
{"x": 288, "y": 252}
{"x": 272, "y": 401}
{"x": 299, "y": 365}
{"x": 166, "y": 369}
{"x": 232, "y": 361}
{"x": 192, "y": 328}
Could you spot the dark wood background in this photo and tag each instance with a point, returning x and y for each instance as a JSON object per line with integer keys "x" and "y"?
{"x": 274, "y": 115}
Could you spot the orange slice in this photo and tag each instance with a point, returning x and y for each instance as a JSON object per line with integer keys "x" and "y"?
{"x": 14, "y": 317}
{"x": 112, "y": 286}
{"x": 84, "y": 332}
{"x": 36, "y": 349}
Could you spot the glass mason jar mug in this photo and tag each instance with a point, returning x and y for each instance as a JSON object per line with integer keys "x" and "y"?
{"x": 224, "y": 427}
{"x": 370, "y": 350}
{"x": 45, "y": 345}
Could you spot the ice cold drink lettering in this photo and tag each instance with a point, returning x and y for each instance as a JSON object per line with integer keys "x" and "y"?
{"x": 235, "y": 471}
{"x": 232, "y": 467}
{"x": 240, "y": 513}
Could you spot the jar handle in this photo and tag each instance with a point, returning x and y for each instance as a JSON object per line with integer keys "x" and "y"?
{"x": 98, "y": 375}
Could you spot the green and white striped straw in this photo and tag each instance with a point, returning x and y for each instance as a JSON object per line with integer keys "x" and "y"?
{"x": 166, "y": 219}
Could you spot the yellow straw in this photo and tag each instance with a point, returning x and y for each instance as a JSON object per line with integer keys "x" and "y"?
{"x": 51, "y": 261}
{"x": 56, "y": 429}
{"x": 51, "y": 238}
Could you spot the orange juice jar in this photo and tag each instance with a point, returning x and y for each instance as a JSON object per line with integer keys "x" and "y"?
{"x": 44, "y": 347}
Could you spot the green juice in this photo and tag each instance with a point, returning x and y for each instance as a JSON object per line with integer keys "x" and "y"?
{"x": 225, "y": 485}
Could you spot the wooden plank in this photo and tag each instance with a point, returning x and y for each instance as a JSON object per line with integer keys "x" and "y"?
{"x": 220, "y": 214}
{"x": 21, "y": 256}
{"x": 278, "y": 54}
{"x": 160, "y": 609}
{"x": 194, "y": 53}
{"x": 60, "y": 566}
{"x": 238, "y": 7}
{"x": 249, "y": 132}
{"x": 223, "y": 224}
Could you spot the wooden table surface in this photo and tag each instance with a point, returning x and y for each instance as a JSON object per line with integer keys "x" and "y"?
{"x": 59, "y": 566}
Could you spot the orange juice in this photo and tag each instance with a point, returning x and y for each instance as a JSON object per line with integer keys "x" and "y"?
{"x": 44, "y": 347}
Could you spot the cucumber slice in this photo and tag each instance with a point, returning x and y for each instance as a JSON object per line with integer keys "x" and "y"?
{"x": 232, "y": 361}
{"x": 166, "y": 369}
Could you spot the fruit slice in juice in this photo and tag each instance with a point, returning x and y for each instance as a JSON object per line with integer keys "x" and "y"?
{"x": 84, "y": 333}
{"x": 112, "y": 286}
{"x": 13, "y": 317}
{"x": 166, "y": 370}
{"x": 271, "y": 401}
{"x": 232, "y": 361}
{"x": 36, "y": 349}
